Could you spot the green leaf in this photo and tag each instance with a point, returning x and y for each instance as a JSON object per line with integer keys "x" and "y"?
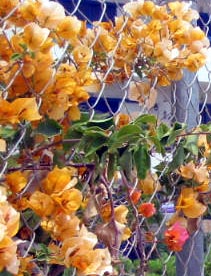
{"x": 156, "y": 143}
{"x": 162, "y": 131}
{"x": 23, "y": 46}
{"x": 208, "y": 138}
{"x": 104, "y": 123}
{"x": 176, "y": 130}
{"x": 16, "y": 56}
{"x": 191, "y": 144}
{"x": 42, "y": 252}
{"x": 142, "y": 161}
{"x": 68, "y": 271}
{"x": 94, "y": 144}
{"x": 126, "y": 162}
{"x": 7, "y": 132}
{"x": 178, "y": 159}
{"x": 31, "y": 218}
{"x": 49, "y": 128}
{"x": 146, "y": 118}
{"x": 126, "y": 134}
{"x": 5, "y": 273}
{"x": 95, "y": 131}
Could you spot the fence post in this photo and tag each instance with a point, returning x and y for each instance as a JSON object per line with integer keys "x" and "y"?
{"x": 190, "y": 260}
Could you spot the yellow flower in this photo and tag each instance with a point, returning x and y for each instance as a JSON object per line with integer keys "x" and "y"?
{"x": 74, "y": 113}
{"x": 189, "y": 205}
{"x": 177, "y": 218}
{"x": 18, "y": 110}
{"x": 126, "y": 234}
{"x": 134, "y": 8}
{"x": 105, "y": 42}
{"x": 8, "y": 257}
{"x": 197, "y": 173}
{"x": 59, "y": 180}
{"x": 69, "y": 27}
{"x": 65, "y": 226}
{"x": 143, "y": 93}
{"x": 16, "y": 181}
{"x": 50, "y": 14}
{"x": 195, "y": 61}
{"x": 7, "y": 6}
{"x": 122, "y": 120}
{"x": 3, "y": 145}
{"x": 150, "y": 184}
{"x": 148, "y": 8}
{"x": 164, "y": 51}
{"x": 196, "y": 34}
{"x": 34, "y": 36}
{"x": 29, "y": 10}
{"x": 120, "y": 213}
{"x": 182, "y": 10}
{"x": 41, "y": 204}
{"x": 82, "y": 54}
{"x": 69, "y": 200}
{"x": 10, "y": 218}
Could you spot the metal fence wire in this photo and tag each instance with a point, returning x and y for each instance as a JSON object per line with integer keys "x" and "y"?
{"x": 127, "y": 83}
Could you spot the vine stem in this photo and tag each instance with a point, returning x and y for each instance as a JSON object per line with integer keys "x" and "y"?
{"x": 106, "y": 183}
{"x": 140, "y": 239}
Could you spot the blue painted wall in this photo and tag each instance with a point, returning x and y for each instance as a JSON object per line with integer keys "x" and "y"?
{"x": 91, "y": 9}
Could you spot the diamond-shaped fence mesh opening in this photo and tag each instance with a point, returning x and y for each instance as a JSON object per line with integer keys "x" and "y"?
{"x": 187, "y": 100}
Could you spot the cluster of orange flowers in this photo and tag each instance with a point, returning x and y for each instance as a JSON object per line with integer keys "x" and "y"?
{"x": 188, "y": 201}
{"x": 9, "y": 226}
{"x": 29, "y": 66}
{"x": 56, "y": 203}
{"x": 158, "y": 41}
{"x": 150, "y": 41}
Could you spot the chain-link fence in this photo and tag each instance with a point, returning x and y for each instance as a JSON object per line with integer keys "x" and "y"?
{"x": 125, "y": 82}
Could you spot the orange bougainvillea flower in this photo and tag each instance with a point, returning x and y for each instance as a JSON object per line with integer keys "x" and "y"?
{"x": 69, "y": 27}
{"x": 10, "y": 218}
{"x": 59, "y": 180}
{"x": 176, "y": 236}
{"x": 50, "y": 14}
{"x": 147, "y": 209}
{"x": 122, "y": 120}
{"x": 150, "y": 184}
{"x": 134, "y": 195}
{"x": 189, "y": 205}
{"x": 34, "y": 36}
{"x": 62, "y": 226}
{"x": 195, "y": 61}
{"x": 8, "y": 257}
{"x": 134, "y": 9}
{"x": 16, "y": 181}
{"x": 42, "y": 204}
{"x": 69, "y": 200}
{"x": 18, "y": 110}
{"x": 82, "y": 54}
{"x": 142, "y": 93}
{"x": 3, "y": 145}
{"x": 105, "y": 211}
{"x": 120, "y": 213}
{"x": 198, "y": 173}
{"x": 7, "y": 6}
{"x": 176, "y": 217}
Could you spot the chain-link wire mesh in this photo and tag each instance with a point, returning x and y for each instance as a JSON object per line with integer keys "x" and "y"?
{"x": 187, "y": 101}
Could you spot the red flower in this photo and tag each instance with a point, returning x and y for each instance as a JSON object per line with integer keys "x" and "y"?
{"x": 147, "y": 210}
{"x": 176, "y": 236}
{"x": 135, "y": 195}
